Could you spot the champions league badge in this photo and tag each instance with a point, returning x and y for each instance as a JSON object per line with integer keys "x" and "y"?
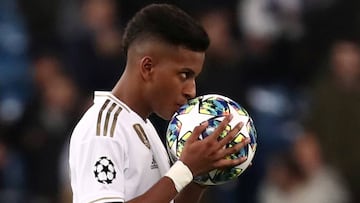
{"x": 104, "y": 170}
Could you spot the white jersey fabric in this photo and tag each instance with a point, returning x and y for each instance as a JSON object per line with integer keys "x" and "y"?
{"x": 114, "y": 154}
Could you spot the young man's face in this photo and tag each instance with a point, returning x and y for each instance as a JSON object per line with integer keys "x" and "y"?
{"x": 173, "y": 79}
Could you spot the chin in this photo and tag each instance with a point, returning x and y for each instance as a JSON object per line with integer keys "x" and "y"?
{"x": 165, "y": 116}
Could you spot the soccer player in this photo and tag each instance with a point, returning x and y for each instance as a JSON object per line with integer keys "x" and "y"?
{"x": 116, "y": 154}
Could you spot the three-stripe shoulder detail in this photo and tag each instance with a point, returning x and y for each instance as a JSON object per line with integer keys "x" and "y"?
{"x": 107, "y": 118}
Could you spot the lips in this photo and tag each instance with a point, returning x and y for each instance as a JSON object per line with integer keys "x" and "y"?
{"x": 182, "y": 103}
{"x": 178, "y": 107}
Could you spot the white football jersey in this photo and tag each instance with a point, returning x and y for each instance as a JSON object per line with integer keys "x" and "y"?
{"x": 115, "y": 155}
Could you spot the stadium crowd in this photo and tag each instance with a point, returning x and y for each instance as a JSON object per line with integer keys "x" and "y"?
{"x": 293, "y": 64}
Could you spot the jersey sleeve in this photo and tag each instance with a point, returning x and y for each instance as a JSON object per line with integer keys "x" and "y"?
{"x": 100, "y": 170}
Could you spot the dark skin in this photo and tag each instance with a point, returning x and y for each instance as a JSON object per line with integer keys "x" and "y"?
{"x": 159, "y": 78}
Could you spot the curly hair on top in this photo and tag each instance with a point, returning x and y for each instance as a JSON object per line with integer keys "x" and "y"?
{"x": 167, "y": 23}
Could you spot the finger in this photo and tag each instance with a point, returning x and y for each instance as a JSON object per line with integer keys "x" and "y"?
{"x": 234, "y": 149}
{"x": 222, "y": 126}
{"x": 225, "y": 163}
{"x": 197, "y": 131}
{"x": 231, "y": 135}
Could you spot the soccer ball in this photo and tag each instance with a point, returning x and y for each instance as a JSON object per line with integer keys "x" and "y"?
{"x": 104, "y": 170}
{"x": 212, "y": 108}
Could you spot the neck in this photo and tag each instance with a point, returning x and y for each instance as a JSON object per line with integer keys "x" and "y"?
{"x": 129, "y": 92}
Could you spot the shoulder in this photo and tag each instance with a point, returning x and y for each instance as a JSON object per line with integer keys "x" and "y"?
{"x": 103, "y": 119}
{"x": 106, "y": 116}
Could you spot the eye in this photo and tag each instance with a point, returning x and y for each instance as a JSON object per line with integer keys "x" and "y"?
{"x": 186, "y": 74}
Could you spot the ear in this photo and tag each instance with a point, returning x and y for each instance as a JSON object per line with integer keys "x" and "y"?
{"x": 146, "y": 67}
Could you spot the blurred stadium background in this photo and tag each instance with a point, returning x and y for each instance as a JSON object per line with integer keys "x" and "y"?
{"x": 294, "y": 64}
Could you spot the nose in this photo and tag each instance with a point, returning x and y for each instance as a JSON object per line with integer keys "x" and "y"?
{"x": 190, "y": 89}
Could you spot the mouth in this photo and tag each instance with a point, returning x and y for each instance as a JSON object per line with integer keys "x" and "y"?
{"x": 177, "y": 107}
{"x": 182, "y": 103}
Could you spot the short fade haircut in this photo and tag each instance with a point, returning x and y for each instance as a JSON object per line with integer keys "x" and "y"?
{"x": 167, "y": 23}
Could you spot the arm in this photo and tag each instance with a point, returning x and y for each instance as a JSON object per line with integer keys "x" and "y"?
{"x": 162, "y": 192}
{"x": 191, "y": 193}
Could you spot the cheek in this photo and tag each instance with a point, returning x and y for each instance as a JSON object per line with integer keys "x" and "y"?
{"x": 165, "y": 97}
{"x": 166, "y": 89}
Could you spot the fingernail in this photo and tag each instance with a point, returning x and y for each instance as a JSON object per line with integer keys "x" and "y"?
{"x": 204, "y": 123}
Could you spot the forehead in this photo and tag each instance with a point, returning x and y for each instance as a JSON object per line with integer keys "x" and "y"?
{"x": 162, "y": 52}
{"x": 182, "y": 58}
{"x": 188, "y": 58}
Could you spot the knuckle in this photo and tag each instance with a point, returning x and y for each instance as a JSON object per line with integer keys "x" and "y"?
{"x": 240, "y": 145}
{"x": 223, "y": 125}
{"x": 234, "y": 162}
{"x": 226, "y": 139}
{"x": 206, "y": 143}
{"x": 197, "y": 129}
{"x": 233, "y": 150}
